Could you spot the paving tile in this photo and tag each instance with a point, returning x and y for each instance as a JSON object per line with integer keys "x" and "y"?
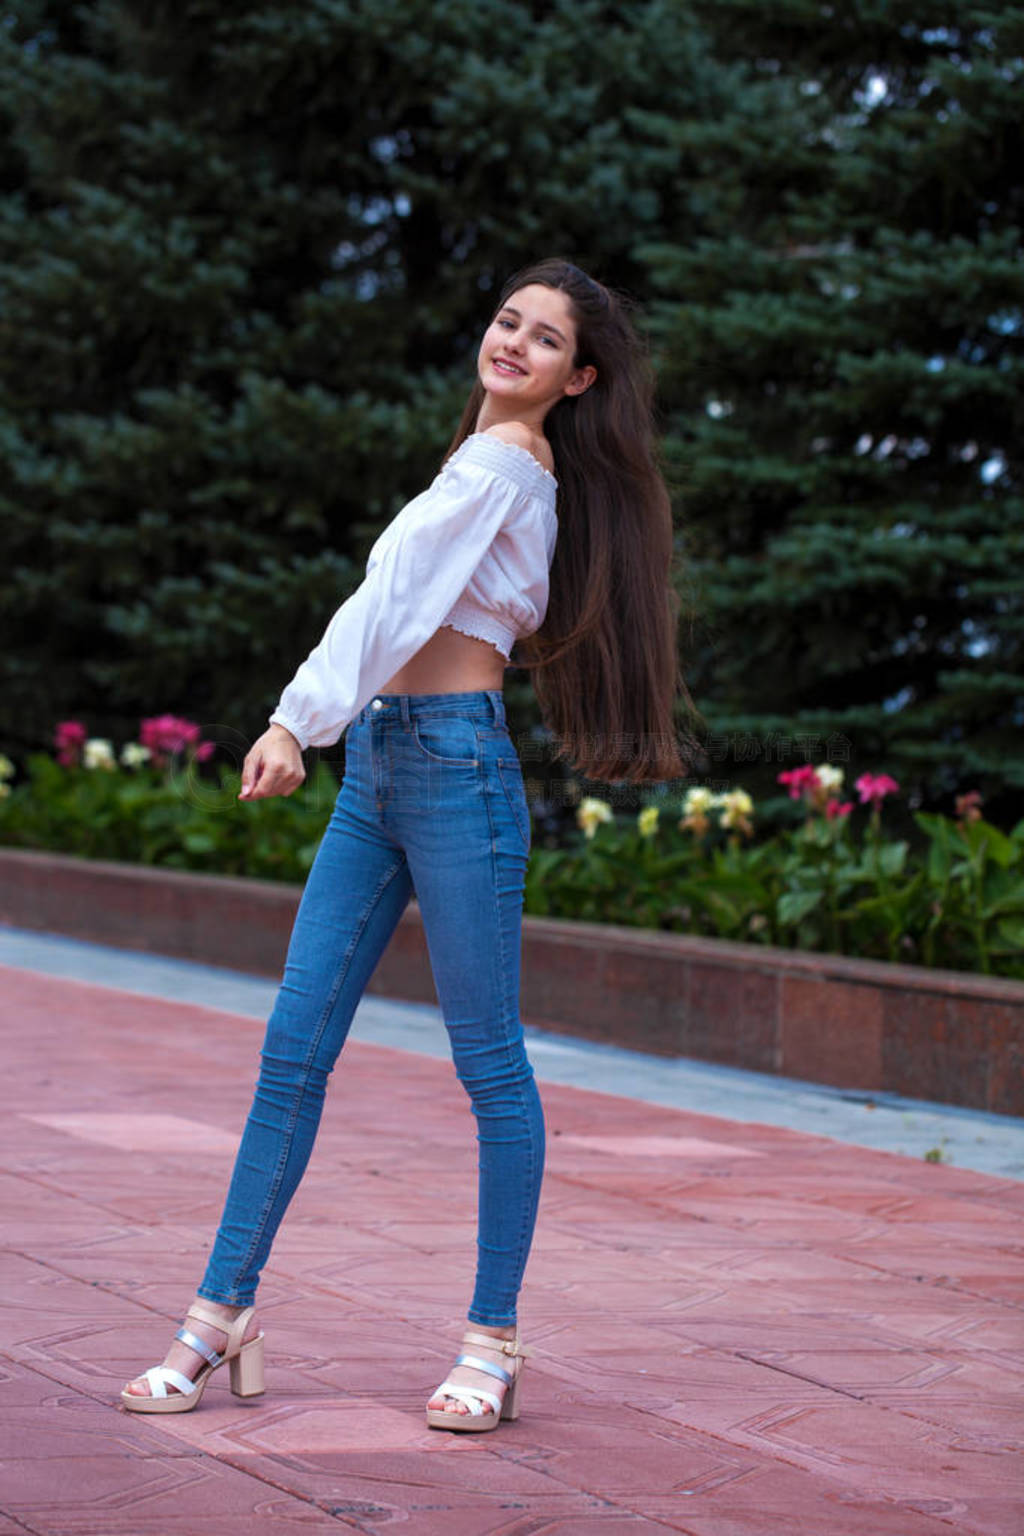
{"x": 595, "y": 1524}
{"x": 995, "y": 1427}
{"x": 891, "y": 1455}
{"x": 792, "y": 1502}
{"x": 141, "y": 1131}
{"x": 456, "y": 1484}
{"x": 90, "y": 1493}
{"x": 375, "y": 1471}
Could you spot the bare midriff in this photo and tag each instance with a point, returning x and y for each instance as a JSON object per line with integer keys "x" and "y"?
{"x": 450, "y": 662}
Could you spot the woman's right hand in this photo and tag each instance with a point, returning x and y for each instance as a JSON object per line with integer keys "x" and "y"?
{"x": 273, "y": 766}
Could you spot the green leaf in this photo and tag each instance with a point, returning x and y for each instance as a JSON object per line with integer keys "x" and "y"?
{"x": 796, "y": 905}
{"x": 199, "y": 842}
{"x": 1003, "y": 894}
{"x": 892, "y": 858}
{"x": 940, "y": 851}
{"x": 985, "y": 839}
{"x": 1011, "y": 934}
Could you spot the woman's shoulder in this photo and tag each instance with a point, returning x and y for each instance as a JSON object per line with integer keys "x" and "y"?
{"x": 511, "y": 451}
{"x": 518, "y": 435}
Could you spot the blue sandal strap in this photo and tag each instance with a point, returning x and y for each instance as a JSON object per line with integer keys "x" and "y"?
{"x": 485, "y": 1365}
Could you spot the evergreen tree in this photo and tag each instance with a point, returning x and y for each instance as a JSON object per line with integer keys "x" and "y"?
{"x": 842, "y": 356}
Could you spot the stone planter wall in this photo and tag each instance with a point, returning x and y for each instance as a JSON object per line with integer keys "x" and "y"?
{"x": 859, "y": 1024}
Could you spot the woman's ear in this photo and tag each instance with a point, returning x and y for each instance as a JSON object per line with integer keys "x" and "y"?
{"x": 581, "y": 380}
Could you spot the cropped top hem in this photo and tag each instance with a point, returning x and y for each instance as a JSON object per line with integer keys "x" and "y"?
{"x": 476, "y": 622}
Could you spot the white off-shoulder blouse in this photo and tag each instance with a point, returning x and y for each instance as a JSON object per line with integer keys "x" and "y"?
{"x": 472, "y": 552}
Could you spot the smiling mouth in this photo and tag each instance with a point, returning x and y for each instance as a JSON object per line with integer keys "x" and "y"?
{"x": 503, "y": 365}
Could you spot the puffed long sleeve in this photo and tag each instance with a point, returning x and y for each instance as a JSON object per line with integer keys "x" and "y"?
{"x": 417, "y": 570}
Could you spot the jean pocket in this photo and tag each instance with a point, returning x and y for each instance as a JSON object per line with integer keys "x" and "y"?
{"x": 511, "y": 775}
{"x": 447, "y": 739}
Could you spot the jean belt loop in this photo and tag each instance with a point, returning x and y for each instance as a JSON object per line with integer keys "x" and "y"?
{"x": 403, "y": 704}
{"x": 497, "y": 706}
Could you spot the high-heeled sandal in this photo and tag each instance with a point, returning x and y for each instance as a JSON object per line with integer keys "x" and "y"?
{"x": 507, "y": 1407}
{"x": 245, "y": 1360}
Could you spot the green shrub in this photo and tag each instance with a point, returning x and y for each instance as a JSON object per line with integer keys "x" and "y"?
{"x": 155, "y": 807}
{"x": 823, "y": 885}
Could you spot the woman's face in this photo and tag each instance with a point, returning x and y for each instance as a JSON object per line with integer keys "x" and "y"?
{"x": 526, "y": 356}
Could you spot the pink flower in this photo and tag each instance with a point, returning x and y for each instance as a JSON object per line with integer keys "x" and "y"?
{"x": 873, "y": 787}
{"x": 166, "y": 734}
{"x": 69, "y": 739}
{"x": 834, "y": 809}
{"x": 802, "y": 781}
{"x": 968, "y": 807}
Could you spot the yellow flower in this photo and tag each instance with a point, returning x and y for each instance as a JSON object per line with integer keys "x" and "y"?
{"x": 735, "y": 807}
{"x": 647, "y": 821}
{"x": 590, "y": 813}
{"x": 6, "y": 768}
{"x": 696, "y": 804}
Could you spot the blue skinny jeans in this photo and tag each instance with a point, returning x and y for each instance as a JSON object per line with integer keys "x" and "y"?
{"x": 432, "y": 801}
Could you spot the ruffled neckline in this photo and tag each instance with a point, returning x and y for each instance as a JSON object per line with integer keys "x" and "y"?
{"x": 523, "y": 455}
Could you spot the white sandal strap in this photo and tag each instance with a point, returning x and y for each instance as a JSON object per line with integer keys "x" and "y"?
{"x": 473, "y": 1397}
{"x": 160, "y": 1377}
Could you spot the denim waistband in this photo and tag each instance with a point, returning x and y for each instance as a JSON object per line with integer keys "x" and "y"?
{"x": 480, "y": 704}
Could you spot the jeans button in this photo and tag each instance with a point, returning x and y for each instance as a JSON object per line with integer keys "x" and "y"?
{"x": 377, "y": 704}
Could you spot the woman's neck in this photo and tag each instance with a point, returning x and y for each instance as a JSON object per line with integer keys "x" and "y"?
{"x": 494, "y": 413}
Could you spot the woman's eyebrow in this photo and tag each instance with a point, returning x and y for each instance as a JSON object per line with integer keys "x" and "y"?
{"x": 510, "y": 309}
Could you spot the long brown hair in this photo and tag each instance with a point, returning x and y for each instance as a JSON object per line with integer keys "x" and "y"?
{"x": 605, "y": 661}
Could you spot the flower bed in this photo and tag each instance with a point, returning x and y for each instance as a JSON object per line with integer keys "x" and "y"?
{"x": 833, "y": 883}
{"x": 826, "y": 885}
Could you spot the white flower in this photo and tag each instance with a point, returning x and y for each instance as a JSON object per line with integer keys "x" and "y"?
{"x": 134, "y": 754}
{"x": 98, "y": 753}
{"x": 590, "y": 813}
{"x": 698, "y": 801}
{"x": 829, "y": 776}
{"x": 6, "y": 767}
{"x": 647, "y": 821}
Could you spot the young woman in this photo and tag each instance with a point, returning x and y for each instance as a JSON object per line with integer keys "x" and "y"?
{"x": 548, "y": 524}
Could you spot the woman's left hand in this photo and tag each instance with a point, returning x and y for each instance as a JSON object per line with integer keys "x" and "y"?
{"x": 273, "y": 766}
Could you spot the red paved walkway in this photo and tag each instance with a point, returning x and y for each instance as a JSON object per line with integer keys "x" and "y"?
{"x": 740, "y": 1331}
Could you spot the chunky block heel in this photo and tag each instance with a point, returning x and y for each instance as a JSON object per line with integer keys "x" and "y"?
{"x": 247, "y": 1369}
{"x": 510, "y": 1402}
